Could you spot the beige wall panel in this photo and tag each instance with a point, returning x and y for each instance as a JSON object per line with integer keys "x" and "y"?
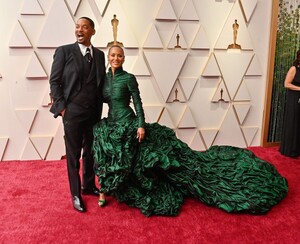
{"x": 153, "y": 39}
{"x": 148, "y": 29}
{"x": 230, "y": 132}
{"x": 248, "y": 8}
{"x": 197, "y": 143}
{"x": 189, "y": 12}
{"x": 19, "y": 37}
{"x": 166, "y": 11}
{"x": 32, "y": 7}
{"x": 57, "y": 29}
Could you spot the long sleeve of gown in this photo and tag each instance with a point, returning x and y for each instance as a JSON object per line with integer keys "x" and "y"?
{"x": 137, "y": 101}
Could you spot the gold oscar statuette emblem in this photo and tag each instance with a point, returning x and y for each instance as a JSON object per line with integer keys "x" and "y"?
{"x": 177, "y": 41}
{"x": 235, "y": 28}
{"x": 221, "y": 97}
{"x": 115, "y": 23}
{"x": 176, "y": 94}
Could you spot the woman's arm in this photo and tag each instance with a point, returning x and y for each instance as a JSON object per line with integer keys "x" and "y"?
{"x": 138, "y": 106}
{"x": 289, "y": 79}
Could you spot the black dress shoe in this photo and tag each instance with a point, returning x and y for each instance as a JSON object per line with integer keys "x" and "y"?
{"x": 78, "y": 204}
{"x": 90, "y": 191}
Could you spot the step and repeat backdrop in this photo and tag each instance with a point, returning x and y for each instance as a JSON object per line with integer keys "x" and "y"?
{"x": 201, "y": 66}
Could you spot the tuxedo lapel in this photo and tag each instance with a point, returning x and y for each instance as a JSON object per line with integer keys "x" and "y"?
{"x": 77, "y": 55}
{"x": 96, "y": 64}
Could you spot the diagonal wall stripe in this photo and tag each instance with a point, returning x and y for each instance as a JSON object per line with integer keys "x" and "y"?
{"x": 233, "y": 66}
{"x": 19, "y": 37}
{"x": 51, "y": 36}
{"x": 168, "y": 61}
{"x": 32, "y": 7}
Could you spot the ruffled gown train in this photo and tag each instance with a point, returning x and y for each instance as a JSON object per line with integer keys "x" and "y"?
{"x": 158, "y": 173}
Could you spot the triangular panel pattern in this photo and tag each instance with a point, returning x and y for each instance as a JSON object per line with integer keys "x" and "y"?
{"x": 188, "y": 84}
{"x": 19, "y": 37}
{"x": 47, "y": 101}
{"x": 73, "y": 5}
{"x": 124, "y": 31}
{"x": 128, "y": 64}
{"x": 181, "y": 41}
{"x": 149, "y": 94}
{"x": 166, "y": 30}
{"x": 153, "y": 39}
{"x": 32, "y": 7}
{"x": 200, "y": 40}
{"x": 41, "y": 144}
{"x": 209, "y": 136}
{"x": 187, "y": 120}
{"x": 230, "y": 132}
{"x": 211, "y": 68}
{"x": 241, "y": 109}
{"x": 140, "y": 67}
{"x": 177, "y": 5}
{"x": 189, "y": 30}
{"x": 197, "y": 143}
{"x": 86, "y": 9}
{"x": 153, "y": 113}
{"x": 102, "y": 5}
{"x": 176, "y": 94}
{"x": 166, "y": 120}
{"x": 3, "y": 144}
{"x": 221, "y": 94}
{"x": 249, "y": 133}
{"x": 248, "y": 8}
{"x": 166, "y": 11}
{"x": 57, "y": 148}
{"x": 189, "y": 12}
{"x": 176, "y": 110}
{"x": 186, "y": 135}
{"x": 243, "y": 93}
{"x": 226, "y": 37}
{"x": 65, "y": 34}
{"x": 35, "y": 69}
{"x": 254, "y": 67}
{"x": 26, "y": 117}
{"x": 194, "y": 64}
{"x": 29, "y": 152}
{"x": 233, "y": 67}
{"x": 168, "y": 61}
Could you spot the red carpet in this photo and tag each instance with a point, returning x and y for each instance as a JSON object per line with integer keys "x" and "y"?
{"x": 36, "y": 208}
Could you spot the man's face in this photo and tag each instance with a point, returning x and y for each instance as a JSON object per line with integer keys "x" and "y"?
{"x": 84, "y": 32}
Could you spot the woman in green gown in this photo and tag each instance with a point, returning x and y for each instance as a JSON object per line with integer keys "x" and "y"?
{"x": 146, "y": 166}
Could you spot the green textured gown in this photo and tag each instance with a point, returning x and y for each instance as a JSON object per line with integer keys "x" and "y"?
{"x": 158, "y": 173}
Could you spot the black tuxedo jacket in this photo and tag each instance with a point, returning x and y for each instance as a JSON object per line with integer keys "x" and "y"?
{"x": 67, "y": 74}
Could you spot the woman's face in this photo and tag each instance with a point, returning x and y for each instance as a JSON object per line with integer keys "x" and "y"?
{"x": 116, "y": 57}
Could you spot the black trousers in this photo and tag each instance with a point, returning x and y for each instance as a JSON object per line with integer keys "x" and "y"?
{"x": 78, "y": 124}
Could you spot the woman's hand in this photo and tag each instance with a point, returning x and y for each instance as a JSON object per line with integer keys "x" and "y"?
{"x": 140, "y": 134}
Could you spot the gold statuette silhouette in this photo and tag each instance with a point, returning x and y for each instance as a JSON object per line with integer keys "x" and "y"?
{"x": 235, "y": 28}
{"x": 221, "y": 97}
{"x": 177, "y": 41}
{"x": 115, "y": 23}
{"x": 176, "y": 96}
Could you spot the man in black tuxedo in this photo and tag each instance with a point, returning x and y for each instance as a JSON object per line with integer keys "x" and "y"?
{"x": 76, "y": 80}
